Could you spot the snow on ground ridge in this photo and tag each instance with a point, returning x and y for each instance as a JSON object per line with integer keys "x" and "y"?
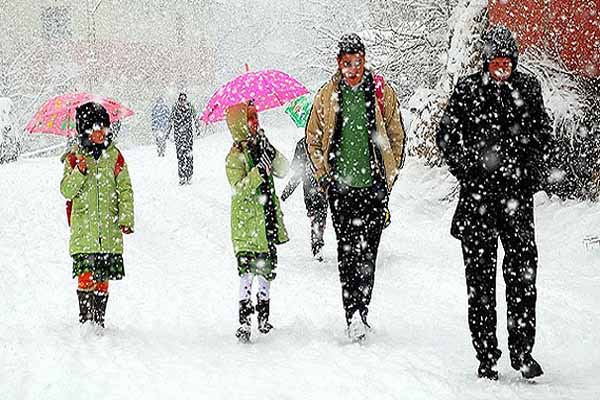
{"x": 170, "y": 322}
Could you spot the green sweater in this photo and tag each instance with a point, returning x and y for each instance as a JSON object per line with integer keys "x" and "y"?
{"x": 353, "y": 164}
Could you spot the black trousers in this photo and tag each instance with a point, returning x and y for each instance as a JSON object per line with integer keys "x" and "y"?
{"x": 185, "y": 162}
{"x": 161, "y": 141}
{"x": 515, "y": 229}
{"x": 318, "y": 219}
{"x": 358, "y": 218}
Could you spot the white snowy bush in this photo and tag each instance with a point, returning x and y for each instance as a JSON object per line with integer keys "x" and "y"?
{"x": 461, "y": 55}
{"x": 409, "y": 39}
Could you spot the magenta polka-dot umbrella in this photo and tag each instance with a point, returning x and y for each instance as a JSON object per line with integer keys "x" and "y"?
{"x": 268, "y": 88}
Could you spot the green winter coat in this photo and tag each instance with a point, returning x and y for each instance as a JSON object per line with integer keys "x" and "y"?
{"x": 248, "y": 228}
{"x": 102, "y": 202}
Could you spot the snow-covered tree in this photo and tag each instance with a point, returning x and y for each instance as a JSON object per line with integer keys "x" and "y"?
{"x": 318, "y": 27}
{"x": 422, "y": 47}
{"x": 27, "y": 79}
{"x": 573, "y": 102}
{"x": 409, "y": 39}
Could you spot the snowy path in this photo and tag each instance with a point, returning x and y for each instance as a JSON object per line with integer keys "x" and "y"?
{"x": 170, "y": 322}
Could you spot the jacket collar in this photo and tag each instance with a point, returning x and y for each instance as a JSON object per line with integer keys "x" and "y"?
{"x": 88, "y": 152}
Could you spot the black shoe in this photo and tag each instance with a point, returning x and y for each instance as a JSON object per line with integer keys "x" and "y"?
{"x": 246, "y": 310}
{"x": 243, "y": 333}
{"x": 487, "y": 370}
{"x": 317, "y": 251}
{"x": 318, "y": 256}
{"x": 86, "y": 306}
{"x": 487, "y": 367}
{"x": 100, "y": 300}
{"x": 265, "y": 327}
{"x": 262, "y": 308}
{"x": 528, "y": 367}
{"x": 363, "y": 316}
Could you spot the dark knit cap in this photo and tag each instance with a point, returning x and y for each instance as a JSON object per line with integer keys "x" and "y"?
{"x": 89, "y": 114}
{"x": 350, "y": 44}
{"x": 86, "y": 117}
{"x": 499, "y": 41}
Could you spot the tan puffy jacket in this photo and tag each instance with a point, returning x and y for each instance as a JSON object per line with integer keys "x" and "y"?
{"x": 389, "y": 137}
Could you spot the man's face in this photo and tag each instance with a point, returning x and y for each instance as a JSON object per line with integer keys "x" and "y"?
{"x": 352, "y": 67}
{"x": 252, "y": 120}
{"x": 182, "y": 99}
{"x": 500, "y": 68}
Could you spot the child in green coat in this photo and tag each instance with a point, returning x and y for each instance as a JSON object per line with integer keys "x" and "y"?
{"x": 99, "y": 197}
{"x": 256, "y": 217}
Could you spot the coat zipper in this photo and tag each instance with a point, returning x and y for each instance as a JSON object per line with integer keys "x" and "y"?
{"x": 98, "y": 206}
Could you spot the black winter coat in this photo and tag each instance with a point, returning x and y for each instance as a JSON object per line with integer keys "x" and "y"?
{"x": 183, "y": 119}
{"x": 495, "y": 138}
{"x": 160, "y": 116}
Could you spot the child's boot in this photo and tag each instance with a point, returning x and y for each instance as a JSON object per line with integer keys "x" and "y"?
{"x": 100, "y": 300}
{"x": 262, "y": 308}
{"x": 246, "y": 310}
{"x": 86, "y": 305}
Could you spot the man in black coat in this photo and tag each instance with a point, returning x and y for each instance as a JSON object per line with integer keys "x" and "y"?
{"x": 494, "y": 137}
{"x": 314, "y": 199}
{"x": 182, "y": 121}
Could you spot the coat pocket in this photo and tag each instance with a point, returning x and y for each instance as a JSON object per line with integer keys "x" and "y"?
{"x": 243, "y": 219}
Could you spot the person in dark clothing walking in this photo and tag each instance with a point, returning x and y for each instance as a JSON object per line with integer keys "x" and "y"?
{"x": 182, "y": 121}
{"x": 160, "y": 124}
{"x": 314, "y": 199}
{"x": 355, "y": 142}
{"x": 494, "y": 137}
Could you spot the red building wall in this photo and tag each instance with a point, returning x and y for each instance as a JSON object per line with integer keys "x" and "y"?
{"x": 568, "y": 29}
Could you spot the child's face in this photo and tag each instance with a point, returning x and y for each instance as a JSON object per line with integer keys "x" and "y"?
{"x": 98, "y": 134}
{"x": 252, "y": 120}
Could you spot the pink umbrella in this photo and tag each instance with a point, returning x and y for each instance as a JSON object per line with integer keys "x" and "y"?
{"x": 268, "y": 88}
{"x": 57, "y": 115}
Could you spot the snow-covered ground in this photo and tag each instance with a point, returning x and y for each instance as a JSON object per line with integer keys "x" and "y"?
{"x": 171, "y": 321}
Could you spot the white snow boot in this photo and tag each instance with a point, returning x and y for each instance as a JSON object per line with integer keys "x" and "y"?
{"x": 357, "y": 331}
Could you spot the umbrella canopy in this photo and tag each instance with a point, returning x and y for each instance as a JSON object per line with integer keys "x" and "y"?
{"x": 57, "y": 115}
{"x": 299, "y": 110}
{"x": 268, "y": 88}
